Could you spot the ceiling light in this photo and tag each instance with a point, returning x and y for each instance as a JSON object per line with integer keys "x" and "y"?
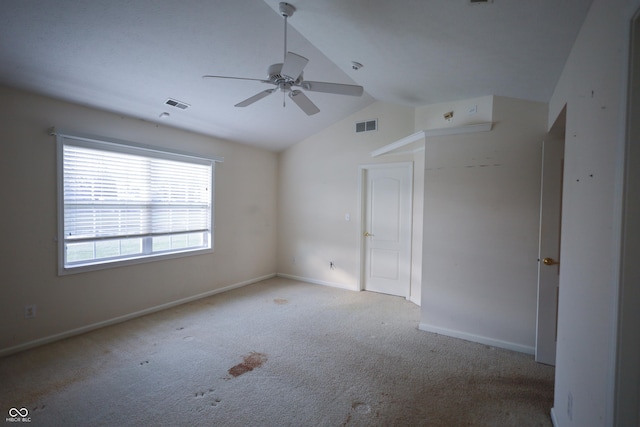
{"x": 164, "y": 115}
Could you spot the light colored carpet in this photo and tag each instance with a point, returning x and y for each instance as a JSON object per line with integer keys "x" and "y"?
{"x": 277, "y": 353}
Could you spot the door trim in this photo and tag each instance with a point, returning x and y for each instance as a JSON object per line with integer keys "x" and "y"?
{"x": 547, "y": 298}
{"x": 362, "y": 170}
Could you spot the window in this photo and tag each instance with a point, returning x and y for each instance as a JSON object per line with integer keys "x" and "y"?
{"x": 121, "y": 203}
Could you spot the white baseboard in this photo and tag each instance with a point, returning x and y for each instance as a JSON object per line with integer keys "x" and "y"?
{"x": 123, "y": 318}
{"x": 318, "y": 282}
{"x": 477, "y": 338}
{"x": 554, "y": 420}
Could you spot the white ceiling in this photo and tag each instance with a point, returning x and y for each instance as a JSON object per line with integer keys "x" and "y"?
{"x": 131, "y": 56}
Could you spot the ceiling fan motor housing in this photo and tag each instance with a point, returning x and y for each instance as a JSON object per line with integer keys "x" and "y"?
{"x": 280, "y": 80}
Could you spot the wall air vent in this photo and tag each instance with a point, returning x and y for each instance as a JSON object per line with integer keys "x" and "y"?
{"x": 480, "y": 1}
{"x": 367, "y": 126}
{"x": 178, "y": 104}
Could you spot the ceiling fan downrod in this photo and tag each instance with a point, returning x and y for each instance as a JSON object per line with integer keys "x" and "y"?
{"x": 286, "y": 10}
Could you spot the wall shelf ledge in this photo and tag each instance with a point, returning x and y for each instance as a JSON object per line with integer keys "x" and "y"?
{"x": 415, "y": 142}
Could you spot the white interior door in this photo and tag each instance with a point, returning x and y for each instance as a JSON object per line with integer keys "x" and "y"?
{"x": 549, "y": 251}
{"x": 386, "y": 234}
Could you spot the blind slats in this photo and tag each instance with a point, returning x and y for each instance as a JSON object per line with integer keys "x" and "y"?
{"x": 112, "y": 194}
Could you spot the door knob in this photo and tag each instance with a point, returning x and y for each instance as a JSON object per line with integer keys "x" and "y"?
{"x": 550, "y": 261}
{"x": 367, "y": 234}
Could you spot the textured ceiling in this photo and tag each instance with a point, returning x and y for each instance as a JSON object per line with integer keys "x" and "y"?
{"x": 131, "y": 56}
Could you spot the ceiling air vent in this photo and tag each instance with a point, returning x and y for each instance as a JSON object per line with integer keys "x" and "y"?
{"x": 367, "y": 126}
{"x": 178, "y": 104}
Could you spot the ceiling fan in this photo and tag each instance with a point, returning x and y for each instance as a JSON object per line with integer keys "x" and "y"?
{"x": 287, "y": 77}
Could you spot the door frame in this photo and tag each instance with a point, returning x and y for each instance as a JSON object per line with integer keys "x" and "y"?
{"x": 547, "y": 298}
{"x": 362, "y": 174}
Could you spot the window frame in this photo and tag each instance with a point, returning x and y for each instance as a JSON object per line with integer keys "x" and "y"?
{"x": 98, "y": 142}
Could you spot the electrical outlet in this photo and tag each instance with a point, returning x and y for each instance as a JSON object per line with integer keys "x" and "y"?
{"x": 30, "y": 311}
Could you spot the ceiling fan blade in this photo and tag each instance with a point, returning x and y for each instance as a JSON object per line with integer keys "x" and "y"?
{"x": 303, "y": 102}
{"x": 337, "y": 88}
{"x": 207, "y": 76}
{"x": 293, "y": 65}
{"x": 254, "y": 98}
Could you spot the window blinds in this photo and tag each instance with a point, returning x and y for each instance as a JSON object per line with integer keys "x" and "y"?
{"x": 117, "y": 192}
{"x": 122, "y": 203}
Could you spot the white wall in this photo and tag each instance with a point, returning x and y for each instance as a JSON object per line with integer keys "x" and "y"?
{"x": 318, "y": 185}
{"x": 481, "y": 218}
{"x": 245, "y": 233}
{"x": 593, "y": 87}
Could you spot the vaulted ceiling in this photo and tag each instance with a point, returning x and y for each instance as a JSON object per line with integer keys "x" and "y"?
{"x": 130, "y": 57}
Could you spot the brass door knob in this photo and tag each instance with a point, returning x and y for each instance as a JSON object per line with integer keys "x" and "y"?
{"x": 367, "y": 234}
{"x": 549, "y": 261}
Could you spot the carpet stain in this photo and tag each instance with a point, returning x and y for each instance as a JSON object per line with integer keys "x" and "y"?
{"x": 361, "y": 407}
{"x": 347, "y": 420}
{"x": 281, "y": 301}
{"x": 358, "y": 408}
{"x": 41, "y": 392}
{"x": 250, "y": 362}
{"x": 207, "y": 394}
